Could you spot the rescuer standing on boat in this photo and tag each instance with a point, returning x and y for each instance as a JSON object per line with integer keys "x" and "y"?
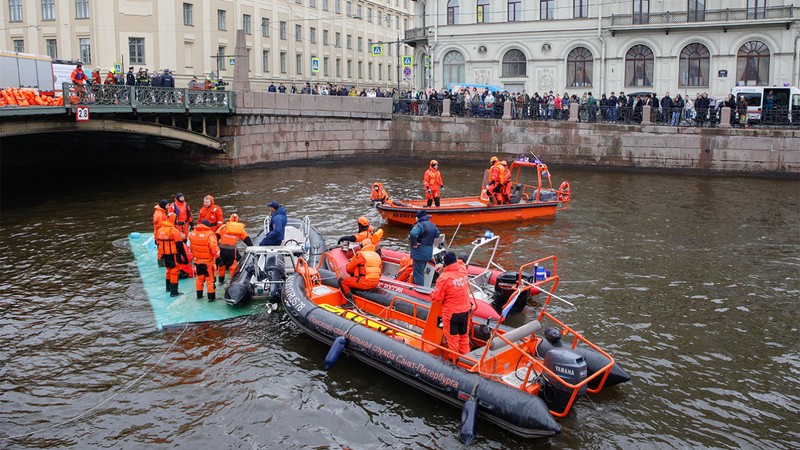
{"x": 433, "y": 183}
{"x": 277, "y": 224}
{"x": 172, "y": 252}
{"x": 365, "y": 268}
{"x": 452, "y": 291}
{"x": 203, "y": 242}
{"x": 183, "y": 214}
{"x": 495, "y": 187}
{"x": 228, "y": 235}
{"x": 421, "y": 240}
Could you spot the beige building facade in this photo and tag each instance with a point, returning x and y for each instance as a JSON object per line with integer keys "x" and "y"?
{"x": 289, "y": 41}
{"x": 575, "y": 46}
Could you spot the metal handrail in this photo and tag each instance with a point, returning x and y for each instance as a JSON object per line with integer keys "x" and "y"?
{"x": 711, "y": 15}
{"x": 148, "y": 97}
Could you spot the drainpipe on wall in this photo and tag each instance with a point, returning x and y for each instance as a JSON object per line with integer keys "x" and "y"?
{"x": 603, "y": 48}
{"x": 435, "y": 43}
{"x": 796, "y": 70}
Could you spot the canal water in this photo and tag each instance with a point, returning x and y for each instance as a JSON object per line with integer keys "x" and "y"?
{"x": 690, "y": 282}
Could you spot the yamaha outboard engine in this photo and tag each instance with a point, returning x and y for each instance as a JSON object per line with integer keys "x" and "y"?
{"x": 275, "y": 269}
{"x": 240, "y": 291}
{"x": 505, "y": 287}
{"x": 571, "y": 368}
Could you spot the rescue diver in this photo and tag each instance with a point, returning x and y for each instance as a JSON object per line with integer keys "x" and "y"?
{"x": 365, "y": 268}
{"x": 229, "y": 234}
{"x": 203, "y": 243}
{"x": 433, "y": 183}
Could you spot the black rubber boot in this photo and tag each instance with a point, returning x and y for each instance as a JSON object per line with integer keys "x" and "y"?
{"x": 173, "y": 291}
{"x": 212, "y": 296}
{"x": 168, "y": 285}
{"x": 221, "y": 279}
{"x": 199, "y": 295}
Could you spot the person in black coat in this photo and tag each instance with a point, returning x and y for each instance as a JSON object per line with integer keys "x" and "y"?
{"x": 666, "y": 108}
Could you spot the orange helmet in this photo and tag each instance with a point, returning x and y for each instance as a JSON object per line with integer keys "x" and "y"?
{"x": 234, "y": 217}
{"x": 434, "y": 162}
{"x": 493, "y": 160}
{"x": 363, "y": 221}
{"x": 503, "y": 163}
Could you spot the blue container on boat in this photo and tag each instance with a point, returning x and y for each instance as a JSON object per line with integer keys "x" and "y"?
{"x": 541, "y": 273}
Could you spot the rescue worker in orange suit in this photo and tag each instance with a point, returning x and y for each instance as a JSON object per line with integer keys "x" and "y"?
{"x": 506, "y": 182}
{"x": 183, "y": 213}
{"x": 159, "y": 216}
{"x": 433, "y": 183}
{"x": 211, "y": 212}
{"x": 406, "y": 270}
{"x": 452, "y": 291}
{"x": 229, "y": 234}
{"x": 203, "y": 242}
{"x": 365, "y": 231}
{"x": 365, "y": 268}
{"x": 379, "y": 195}
{"x": 172, "y": 252}
{"x": 496, "y": 175}
{"x": 78, "y": 76}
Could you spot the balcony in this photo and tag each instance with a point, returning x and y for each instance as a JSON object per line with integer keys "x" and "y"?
{"x": 416, "y": 36}
{"x": 721, "y": 17}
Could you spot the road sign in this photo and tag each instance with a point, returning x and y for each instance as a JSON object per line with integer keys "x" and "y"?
{"x": 231, "y": 61}
{"x": 314, "y": 65}
{"x": 427, "y": 62}
{"x": 377, "y": 49}
{"x": 408, "y": 61}
{"x": 117, "y": 68}
{"x": 81, "y": 113}
{"x": 406, "y": 71}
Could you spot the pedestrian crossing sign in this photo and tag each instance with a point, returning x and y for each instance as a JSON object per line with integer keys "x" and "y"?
{"x": 314, "y": 65}
{"x": 408, "y": 61}
{"x": 427, "y": 62}
{"x": 231, "y": 61}
{"x": 377, "y": 49}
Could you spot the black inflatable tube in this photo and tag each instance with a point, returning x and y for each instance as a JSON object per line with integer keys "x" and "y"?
{"x": 509, "y": 408}
{"x": 594, "y": 362}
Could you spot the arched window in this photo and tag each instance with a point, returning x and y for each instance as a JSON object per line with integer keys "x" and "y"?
{"x": 752, "y": 64}
{"x": 694, "y": 65}
{"x": 639, "y": 66}
{"x": 482, "y": 11}
{"x": 514, "y": 64}
{"x": 579, "y": 67}
{"x": 452, "y": 12}
{"x": 453, "y": 67}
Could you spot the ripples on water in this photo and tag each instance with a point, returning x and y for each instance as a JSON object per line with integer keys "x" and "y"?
{"x": 690, "y": 282}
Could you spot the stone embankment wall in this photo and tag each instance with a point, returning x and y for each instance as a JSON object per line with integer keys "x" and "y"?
{"x": 275, "y": 128}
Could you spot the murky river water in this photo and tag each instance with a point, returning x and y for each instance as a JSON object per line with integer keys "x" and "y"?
{"x": 691, "y": 282}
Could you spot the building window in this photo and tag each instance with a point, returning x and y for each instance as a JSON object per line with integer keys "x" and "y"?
{"x": 756, "y": 9}
{"x": 283, "y": 62}
{"x": 369, "y": 70}
{"x": 697, "y": 10}
{"x": 358, "y": 12}
{"x": 580, "y": 8}
{"x": 312, "y": 3}
{"x": 752, "y": 64}
{"x": 325, "y": 37}
{"x": 452, "y": 13}
{"x": 380, "y": 72}
{"x": 325, "y": 65}
{"x": 389, "y": 72}
{"x": 48, "y": 9}
{"x": 639, "y": 66}
{"x": 136, "y": 50}
{"x": 187, "y": 14}
{"x": 348, "y": 9}
{"x": 641, "y": 11}
{"x": 389, "y": 18}
{"x": 283, "y": 30}
{"x": 312, "y": 35}
{"x": 579, "y": 67}
{"x": 221, "y": 19}
{"x": 265, "y": 26}
{"x": 337, "y": 42}
{"x": 85, "y": 49}
{"x": 349, "y": 42}
{"x": 337, "y": 7}
{"x": 265, "y": 61}
{"x": 298, "y": 63}
{"x": 52, "y": 48}
{"x": 15, "y": 10}
{"x": 82, "y": 9}
{"x": 694, "y": 65}
{"x": 19, "y": 46}
{"x": 546, "y": 9}
{"x": 220, "y": 59}
{"x": 482, "y": 11}
{"x": 514, "y": 64}
{"x": 453, "y": 67}
{"x": 338, "y": 67}
{"x": 298, "y": 33}
{"x": 349, "y": 68}
{"x": 246, "y": 24}
{"x": 325, "y": 5}
{"x": 360, "y": 69}
{"x": 514, "y": 10}
{"x": 360, "y": 42}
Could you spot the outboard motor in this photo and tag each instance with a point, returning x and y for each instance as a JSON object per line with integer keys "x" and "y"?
{"x": 240, "y": 291}
{"x": 571, "y": 368}
{"x": 505, "y": 288}
{"x": 275, "y": 269}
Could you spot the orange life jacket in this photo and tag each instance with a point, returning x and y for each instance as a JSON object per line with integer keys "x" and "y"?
{"x": 433, "y": 180}
{"x": 230, "y": 233}
{"x": 406, "y": 270}
{"x": 213, "y": 214}
{"x": 166, "y": 237}
{"x": 159, "y": 215}
{"x": 203, "y": 243}
{"x": 378, "y": 194}
{"x": 367, "y": 264}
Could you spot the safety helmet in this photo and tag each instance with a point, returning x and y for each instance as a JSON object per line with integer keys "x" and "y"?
{"x": 503, "y": 163}
{"x": 234, "y": 217}
{"x": 363, "y": 221}
{"x": 434, "y": 162}
{"x": 493, "y": 159}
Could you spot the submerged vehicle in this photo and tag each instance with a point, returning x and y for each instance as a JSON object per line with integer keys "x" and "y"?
{"x": 531, "y": 196}
{"x": 520, "y": 379}
{"x": 263, "y": 269}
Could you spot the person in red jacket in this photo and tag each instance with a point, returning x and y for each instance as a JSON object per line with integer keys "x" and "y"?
{"x": 365, "y": 268}
{"x": 211, "y": 212}
{"x": 229, "y": 234}
{"x": 172, "y": 252}
{"x": 433, "y": 183}
{"x": 203, "y": 242}
{"x": 496, "y": 176}
{"x": 159, "y": 216}
{"x": 452, "y": 291}
{"x": 78, "y": 76}
{"x": 183, "y": 213}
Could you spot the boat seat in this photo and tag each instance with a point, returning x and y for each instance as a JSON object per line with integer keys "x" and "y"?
{"x": 498, "y": 345}
{"x": 516, "y": 194}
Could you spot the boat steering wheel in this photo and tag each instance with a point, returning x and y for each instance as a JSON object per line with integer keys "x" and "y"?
{"x": 291, "y": 242}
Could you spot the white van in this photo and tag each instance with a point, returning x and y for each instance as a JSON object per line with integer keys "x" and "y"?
{"x": 787, "y": 102}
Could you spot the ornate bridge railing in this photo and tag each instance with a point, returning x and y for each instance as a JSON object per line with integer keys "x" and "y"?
{"x": 148, "y": 99}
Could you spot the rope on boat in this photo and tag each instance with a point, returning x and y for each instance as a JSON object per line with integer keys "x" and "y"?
{"x": 548, "y": 293}
{"x": 130, "y": 385}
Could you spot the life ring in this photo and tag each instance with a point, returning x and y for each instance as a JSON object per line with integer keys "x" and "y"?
{"x": 563, "y": 192}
